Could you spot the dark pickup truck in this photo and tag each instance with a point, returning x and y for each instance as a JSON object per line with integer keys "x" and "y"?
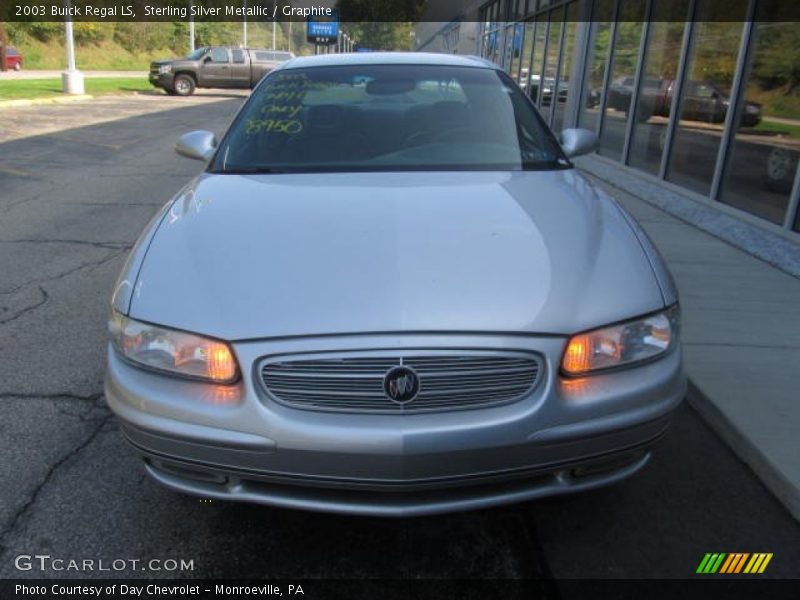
{"x": 702, "y": 101}
{"x": 215, "y": 67}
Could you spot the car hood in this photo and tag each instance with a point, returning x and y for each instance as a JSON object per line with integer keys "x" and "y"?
{"x": 240, "y": 257}
{"x": 173, "y": 62}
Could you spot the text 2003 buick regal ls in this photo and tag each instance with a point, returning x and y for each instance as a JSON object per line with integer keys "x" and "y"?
{"x": 390, "y": 293}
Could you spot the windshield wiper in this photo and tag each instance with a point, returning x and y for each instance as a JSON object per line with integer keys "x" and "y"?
{"x": 249, "y": 171}
{"x": 542, "y": 165}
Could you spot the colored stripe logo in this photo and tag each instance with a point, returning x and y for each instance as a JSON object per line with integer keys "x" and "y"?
{"x": 734, "y": 563}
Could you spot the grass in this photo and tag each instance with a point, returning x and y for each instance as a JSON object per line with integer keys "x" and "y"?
{"x": 792, "y": 131}
{"x": 49, "y": 88}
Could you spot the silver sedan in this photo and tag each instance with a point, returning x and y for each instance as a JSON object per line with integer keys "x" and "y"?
{"x": 391, "y": 293}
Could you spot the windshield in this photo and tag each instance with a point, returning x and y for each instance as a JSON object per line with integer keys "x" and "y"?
{"x": 387, "y": 117}
{"x": 197, "y": 54}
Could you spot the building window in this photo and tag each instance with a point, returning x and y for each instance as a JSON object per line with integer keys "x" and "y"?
{"x": 623, "y": 69}
{"x": 516, "y": 49}
{"x": 564, "y": 86}
{"x": 711, "y": 65}
{"x": 538, "y": 59}
{"x": 599, "y": 43}
{"x": 527, "y": 55}
{"x": 797, "y": 220}
{"x": 552, "y": 47}
{"x": 766, "y": 143}
{"x": 657, "y": 86}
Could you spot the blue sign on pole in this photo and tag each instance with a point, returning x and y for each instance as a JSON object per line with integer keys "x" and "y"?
{"x": 519, "y": 30}
{"x": 323, "y": 30}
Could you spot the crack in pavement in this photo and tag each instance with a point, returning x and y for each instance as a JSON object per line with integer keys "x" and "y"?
{"x": 104, "y": 245}
{"x": 45, "y": 297}
{"x": 85, "y": 416}
{"x": 85, "y": 265}
{"x": 114, "y": 204}
{"x": 20, "y": 201}
{"x": 51, "y": 396}
{"x": 89, "y": 403}
{"x": 49, "y": 475}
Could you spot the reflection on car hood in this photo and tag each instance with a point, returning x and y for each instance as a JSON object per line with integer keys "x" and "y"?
{"x": 254, "y": 256}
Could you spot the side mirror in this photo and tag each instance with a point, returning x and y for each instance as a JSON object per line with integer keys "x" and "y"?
{"x": 206, "y": 59}
{"x": 578, "y": 141}
{"x": 199, "y": 145}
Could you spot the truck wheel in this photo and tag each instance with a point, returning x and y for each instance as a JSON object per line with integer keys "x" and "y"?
{"x": 18, "y": 66}
{"x": 183, "y": 85}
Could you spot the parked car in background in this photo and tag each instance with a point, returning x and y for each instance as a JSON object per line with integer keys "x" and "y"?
{"x": 702, "y": 101}
{"x": 592, "y": 96}
{"x": 620, "y": 91}
{"x": 215, "y": 67}
{"x": 13, "y": 58}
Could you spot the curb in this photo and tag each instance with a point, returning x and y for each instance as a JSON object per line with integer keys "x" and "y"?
{"x": 35, "y": 101}
{"x": 780, "y": 487}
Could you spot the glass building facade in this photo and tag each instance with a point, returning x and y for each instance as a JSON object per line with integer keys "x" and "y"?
{"x": 699, "y": 94}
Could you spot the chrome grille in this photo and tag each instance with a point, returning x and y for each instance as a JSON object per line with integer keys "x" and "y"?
{"x": 447, "y": 381}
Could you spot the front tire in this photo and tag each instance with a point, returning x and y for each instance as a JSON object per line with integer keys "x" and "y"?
{"x": 183, "y": 85}
{"x": 780, "y": 168}
{"x": 18, "y": 66}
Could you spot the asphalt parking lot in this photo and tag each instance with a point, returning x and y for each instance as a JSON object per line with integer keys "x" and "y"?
{"x": 72, "y": 203}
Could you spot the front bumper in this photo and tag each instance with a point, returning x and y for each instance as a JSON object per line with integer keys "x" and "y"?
{"x": 161, "y": 80}
{"x": 235, "y": 442}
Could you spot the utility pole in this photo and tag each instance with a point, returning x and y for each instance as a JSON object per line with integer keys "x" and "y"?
{"x": 191, "y": 27}
{"x": 71, "y": 79}
{"x": 244, "y": 26}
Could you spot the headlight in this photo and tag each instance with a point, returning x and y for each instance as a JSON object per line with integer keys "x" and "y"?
{"x": 173, "y": 351}
{"x": 622, "y": 345}
{"x": 162, "y": 69}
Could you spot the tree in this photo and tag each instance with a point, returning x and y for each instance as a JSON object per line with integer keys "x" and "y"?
{"x": 380, "y": 11}
{"x": 380, "y": 24}
{"x": 777, "y": 62}
{"x": 381, "y": 35}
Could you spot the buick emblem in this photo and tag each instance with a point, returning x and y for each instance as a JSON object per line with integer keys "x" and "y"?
{"x": 401, "y": 385}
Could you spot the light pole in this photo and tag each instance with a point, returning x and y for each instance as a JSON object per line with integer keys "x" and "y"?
{"x": 71, "y": 79}
{"x": 191, "y": 27}
{"x": 244, "y": 26}
{"x": 273, "y": 35}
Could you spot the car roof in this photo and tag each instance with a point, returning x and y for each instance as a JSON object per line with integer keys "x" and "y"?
{"x": 387, "y": 58}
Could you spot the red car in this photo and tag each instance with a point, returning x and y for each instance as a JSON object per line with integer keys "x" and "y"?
{"x": 13, "y": 58}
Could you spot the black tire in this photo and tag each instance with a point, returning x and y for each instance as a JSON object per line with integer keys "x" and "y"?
{"x": 183, "y": 85}
{"x": 780, "y": 169}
